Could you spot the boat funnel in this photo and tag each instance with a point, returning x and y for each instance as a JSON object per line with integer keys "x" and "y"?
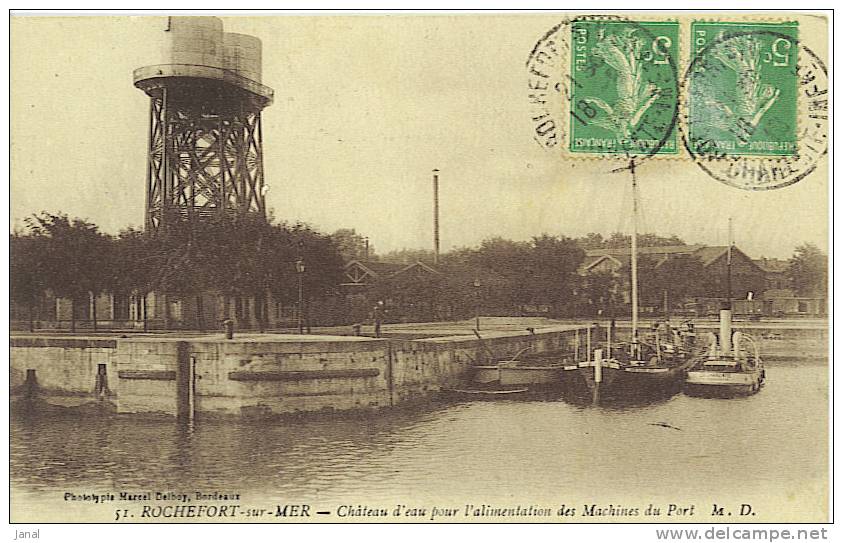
{"x": 725, "y": 331}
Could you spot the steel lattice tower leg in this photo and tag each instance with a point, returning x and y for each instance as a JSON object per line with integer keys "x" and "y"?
{"x": 202, "y": 163}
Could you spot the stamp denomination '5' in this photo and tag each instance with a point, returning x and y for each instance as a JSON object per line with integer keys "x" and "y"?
{"x": 743, "y": 88}
{"x": 625, "y": 87}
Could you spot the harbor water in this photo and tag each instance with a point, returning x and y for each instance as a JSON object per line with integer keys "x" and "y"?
{"x": 769, "y": 451}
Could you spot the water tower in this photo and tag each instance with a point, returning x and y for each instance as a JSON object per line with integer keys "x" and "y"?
{"x": 205, "y": 153}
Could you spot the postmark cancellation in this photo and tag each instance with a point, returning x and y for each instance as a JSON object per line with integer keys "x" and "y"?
{"x": 745, "y": 99}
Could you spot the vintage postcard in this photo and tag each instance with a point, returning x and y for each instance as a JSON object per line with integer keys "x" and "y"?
{"x": 420, "y": 267}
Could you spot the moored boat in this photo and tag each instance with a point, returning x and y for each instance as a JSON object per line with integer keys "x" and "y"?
{"x": 729, "y": 368}
{"x": 733, "y": 365}
{"x": 638, "y": 367}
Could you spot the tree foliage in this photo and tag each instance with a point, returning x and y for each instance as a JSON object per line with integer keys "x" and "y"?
{"x": 678, "y": 277}
{"x": 619, "y": 240}
{"x": 808, "y": 271}
{"x": 599, "y": 294}
{"x": 499, "y": 277}
{"x": 236, "y": 256}
{"x": 407, "y": 256}
{"x": 245, "y": 256}
{"x": 352, "y": 246}
{"x": 26, "y": 280}
{"x": 76, "y": 257}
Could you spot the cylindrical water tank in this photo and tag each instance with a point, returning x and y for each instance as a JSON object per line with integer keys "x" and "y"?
{"x": 194, "y": 40}
{"x": 242, "y": 55}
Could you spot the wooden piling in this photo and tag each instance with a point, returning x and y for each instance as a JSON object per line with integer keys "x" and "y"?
{"x": 101, "y": 382}
{"x": 30, "y": 386}
{"x": 183, "y": 381}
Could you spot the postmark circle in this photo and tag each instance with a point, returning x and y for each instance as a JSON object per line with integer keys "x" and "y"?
{"x": 592, "y": 92}
{"x": 732, "y": 141}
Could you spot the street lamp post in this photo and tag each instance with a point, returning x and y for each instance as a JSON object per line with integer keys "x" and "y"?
{"x": 477, "y": 304}
{"x": 300, "y": 273}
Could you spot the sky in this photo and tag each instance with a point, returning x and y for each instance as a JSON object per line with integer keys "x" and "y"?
{"x": 365, "y": 107}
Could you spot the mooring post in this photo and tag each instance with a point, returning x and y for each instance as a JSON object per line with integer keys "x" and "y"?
{"x": 576, "y": 346}
{"x": 598, "y": 366}
{"x": 191, "y": 390}
{"x": 30, "y": 385}
{"x": 390, "y": 381}
{"x": 183, "y": 378}
{"x": 101, "y": 382}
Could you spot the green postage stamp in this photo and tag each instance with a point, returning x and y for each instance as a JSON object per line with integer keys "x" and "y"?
{"x": 624, "y": 87}
{"x": 743, "y": 88}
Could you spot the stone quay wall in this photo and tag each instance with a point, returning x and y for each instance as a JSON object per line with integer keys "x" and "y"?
{"x": 257, "y": 375}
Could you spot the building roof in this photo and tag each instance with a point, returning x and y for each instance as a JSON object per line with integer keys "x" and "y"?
{"x": 376, "y": 267}
{"x": 661, "y": 250}
{"x": 420, "y": 265}
{"x": 621, "y": 255}
{"x": 361, "y": 271}
{"x": 590, "y": 261}
{"x": 709, "y": 254}
{"x": 706, "y": 253}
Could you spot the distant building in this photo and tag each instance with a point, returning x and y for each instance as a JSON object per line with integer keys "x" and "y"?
{"x": 403, "y": 289}
{"x": 710, "y": 256}
{"x": 759, "y": 287}
{"x": 613, "y": 260}
{"x": 126, "y": 312}
{"x": 363, "y": 273}
{"x": 745, "y": 272}
{"x": 748, "y": 279}
{"x": 779, "y": 299}
{"x": 784, "y": 302}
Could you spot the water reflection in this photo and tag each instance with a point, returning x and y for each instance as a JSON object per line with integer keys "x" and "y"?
{"x": 617, "y": 399}
{"x": 556, "y": 445}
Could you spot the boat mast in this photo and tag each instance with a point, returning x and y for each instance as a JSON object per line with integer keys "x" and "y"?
{"x": 729, "y": 267}
{"x": 726, "y": 309}
{"x": 634, "y": 255}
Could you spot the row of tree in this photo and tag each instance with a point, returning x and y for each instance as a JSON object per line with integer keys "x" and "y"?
{"x": 807, "y": 271}
{"x": 540, "y": 276}
{"x": 236, "y": 256}
{"x": 355, "y": 246}
{"x": 544, "y": 275}
{"x": 245, "y": 256}
{"x": 499, "y": 277}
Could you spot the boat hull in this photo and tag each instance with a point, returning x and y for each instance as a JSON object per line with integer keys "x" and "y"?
{"x": 512, "y": 375}
{"x": 587, "y": 374}
{"x": 485, "y": 394}
{"x": 618, "y": 380}
{"x": 531, "y": 376}
{"x": 486, "y": 374}
{"x": 707, "y": 382}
